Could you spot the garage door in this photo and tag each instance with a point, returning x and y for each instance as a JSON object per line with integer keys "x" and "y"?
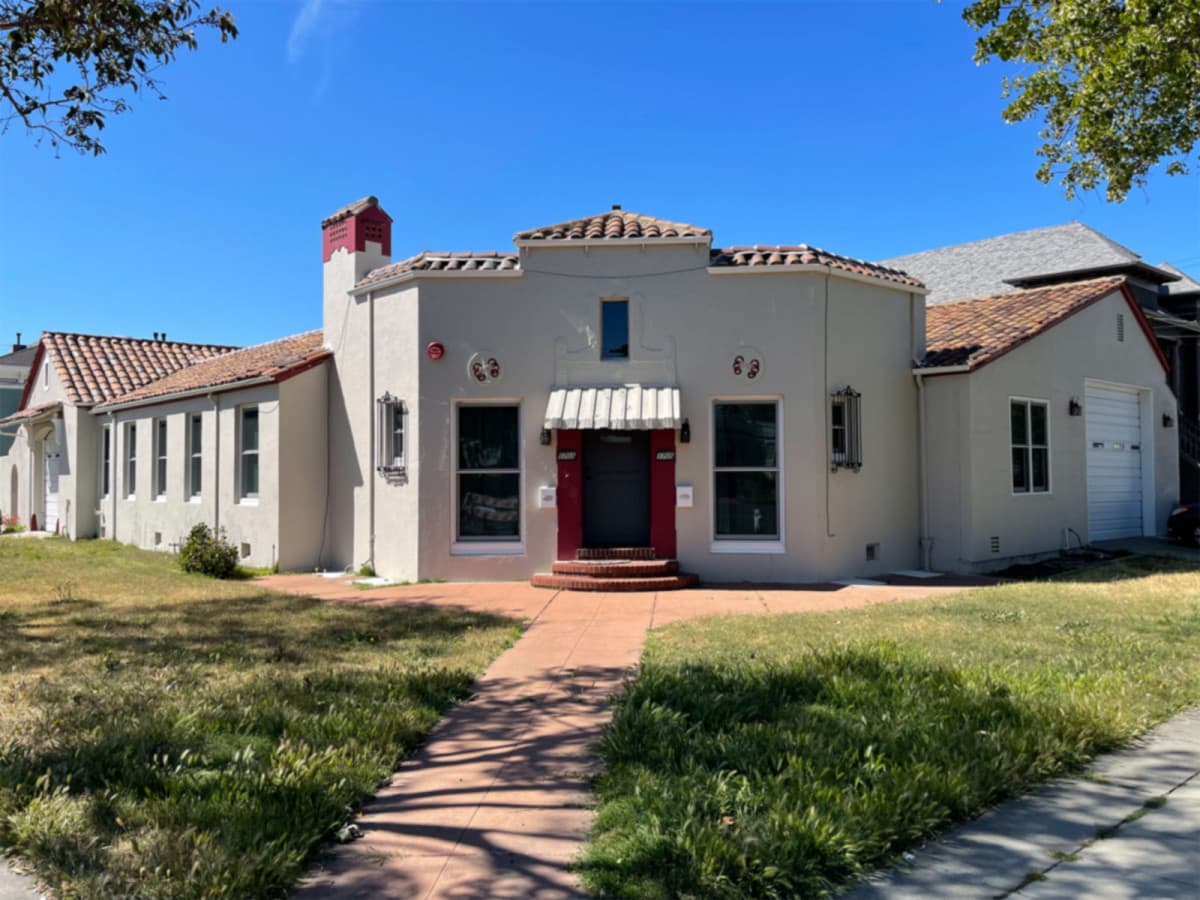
{"x": 1114, "y": 463}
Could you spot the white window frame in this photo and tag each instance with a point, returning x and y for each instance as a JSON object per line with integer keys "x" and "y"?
{"x": 159, "y": 438}
{"x": 390, "y": 458}
{"x": 106, "y": 458}
{"x": 243, "y": 497}
{"x": 129, "y": 460}
{"x": 1029, "y": 447}
{"x": 487, "y": 547}
{"x": 194, "y": 492}
{"x": 760, "y": 546}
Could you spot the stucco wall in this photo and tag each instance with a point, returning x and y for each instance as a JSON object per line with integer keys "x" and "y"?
{"x": 1055, "y": 367}
{"x": 686, "y": 326}
{"x": 303, "y": 436}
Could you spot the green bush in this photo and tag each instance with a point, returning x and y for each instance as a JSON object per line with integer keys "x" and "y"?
{"x": 208, "y": 553}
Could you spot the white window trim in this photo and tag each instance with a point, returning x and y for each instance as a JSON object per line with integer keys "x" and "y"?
{"x": 766, "y": 546}
{"x": 1049, "y": 492}
{"x": 129, "y": 429}
{"x": 244, "y": 499}
{"x": 160, "y": 453}
{"x": 193, "y": 495}
{"x": 388, "y": 461}
{"x": 460, "y": 547}
{"x": 106, "y": 474}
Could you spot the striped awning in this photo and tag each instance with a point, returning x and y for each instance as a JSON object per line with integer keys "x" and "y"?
{"x": 628, "y": 407}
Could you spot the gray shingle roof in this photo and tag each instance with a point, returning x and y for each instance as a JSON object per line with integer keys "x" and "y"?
{"x": 986, "y": 267}
{"x": 1185, "y": 285}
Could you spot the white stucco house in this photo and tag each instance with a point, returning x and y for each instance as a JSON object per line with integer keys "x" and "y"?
{"x": 619, "y": 386}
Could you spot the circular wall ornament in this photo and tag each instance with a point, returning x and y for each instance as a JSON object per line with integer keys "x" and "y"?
{"x": 484, "y": 367}
{"x": 747, "y": 364}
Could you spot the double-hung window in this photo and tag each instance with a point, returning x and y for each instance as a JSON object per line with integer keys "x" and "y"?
{"x": 248, "y": 452}
{"x": 195, "y": 454}
{"x": 130, "y": 459}
{"x": 488, "y": 473}
{"x": 106, "y": 461}
{"x": 1030, "y": 438}
{"x": 160, "y": 458}
{"x": 746, "y": 470}
{"x": 392, "y": 413}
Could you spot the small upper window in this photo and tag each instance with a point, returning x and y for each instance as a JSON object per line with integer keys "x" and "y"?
{"x": 614, "y": 329}
{"x": 195, "y": 455}
{"x": 392, "y": 413}
{"x": 1030, "y": 434}
{"x": 249, "y": 452}
{"x": 845, "y": 429}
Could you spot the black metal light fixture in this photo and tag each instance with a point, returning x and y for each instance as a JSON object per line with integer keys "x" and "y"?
{"x": 685, "y": 432}
{"x": 1168, "y": 422}
{"x": 1074, "y": 408}
{"x": 545, "y": 438}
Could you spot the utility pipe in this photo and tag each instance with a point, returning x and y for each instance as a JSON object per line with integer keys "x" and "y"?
{"x": 215, "y": 398}
{"x": 923, "y": 476}
{"x": 372, "y": 446}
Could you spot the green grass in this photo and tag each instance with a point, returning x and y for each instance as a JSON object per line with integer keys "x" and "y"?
{"x": 786, "y": 756}
{"x": 165, "y": 735}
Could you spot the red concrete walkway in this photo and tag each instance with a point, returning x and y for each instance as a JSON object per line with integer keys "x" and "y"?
{"x": 496, "y": 803}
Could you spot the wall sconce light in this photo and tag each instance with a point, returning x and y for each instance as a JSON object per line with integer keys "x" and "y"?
{"x": 545, "y": 437}
{"x": 1167, "y": 420}
{"x": 1074, "y": 408}
{"x": 685, "y": 432}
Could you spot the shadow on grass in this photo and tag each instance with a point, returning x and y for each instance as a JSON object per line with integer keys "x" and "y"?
{"x": 790, "y": 780}
{"x": 1102, "y": 571}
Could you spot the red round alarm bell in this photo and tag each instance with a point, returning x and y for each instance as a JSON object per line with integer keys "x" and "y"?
{"x": 435, "y": 350}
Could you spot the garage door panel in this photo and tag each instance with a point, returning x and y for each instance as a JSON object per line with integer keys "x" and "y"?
{"x": 1114, "y": 463}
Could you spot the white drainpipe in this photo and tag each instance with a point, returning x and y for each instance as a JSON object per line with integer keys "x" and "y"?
{"x": 923, "y": 477}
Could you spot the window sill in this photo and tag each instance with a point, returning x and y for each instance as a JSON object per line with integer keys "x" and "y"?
{"x": 161, "y": 498}
{"x": 247, "y": 501}
{"x": 130, "y": 498}
{"x": 487, "y": 548}
{"x": 750, "y": 547}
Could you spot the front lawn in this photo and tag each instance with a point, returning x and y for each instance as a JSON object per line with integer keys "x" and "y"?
{"x": 166, "y": 735}
{"x": 785, "y": 756}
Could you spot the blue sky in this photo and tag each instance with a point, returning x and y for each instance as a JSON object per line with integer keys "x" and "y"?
{"x": 864, "y": 128}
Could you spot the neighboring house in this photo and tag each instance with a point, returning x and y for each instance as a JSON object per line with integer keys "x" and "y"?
{"x": 14, "y": 369}
{"x": 1071, "y": 252}
{"x": 617, "y": 381}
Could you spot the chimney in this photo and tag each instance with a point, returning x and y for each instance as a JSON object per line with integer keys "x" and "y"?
{"x": 18, "y": 345}
{"x": 354, "y": 240}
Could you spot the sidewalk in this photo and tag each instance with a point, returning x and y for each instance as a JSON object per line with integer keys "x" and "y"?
{"x": 1129, "y": 828}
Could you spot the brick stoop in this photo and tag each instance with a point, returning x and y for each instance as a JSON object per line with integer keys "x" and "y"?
{"x": 616, "y": 569}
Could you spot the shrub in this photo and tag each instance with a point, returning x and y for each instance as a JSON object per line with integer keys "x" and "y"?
{"x": 10, "y": 525}
{"x": 208, "y": 553}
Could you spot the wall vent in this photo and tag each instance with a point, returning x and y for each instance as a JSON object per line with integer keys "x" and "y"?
{"x": 1120, "y": 327}
{"x": 245, "y": 550}
{"x": 158, "y": 539}
{"x": 872, "y": 552}
{"x": 995, "y": 543}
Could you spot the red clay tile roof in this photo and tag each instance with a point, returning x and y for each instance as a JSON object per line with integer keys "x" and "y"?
{"x": 977, "y": 331}
{"x": 800, "y": 255}
{"x": 30, "y": 412}
{"x": 429, "y": 261}
{"x": 95, "y": 368}
{"x": 349, "y": 210}
{"x": 272, "y": 360}
{"x": 616, "y": 224}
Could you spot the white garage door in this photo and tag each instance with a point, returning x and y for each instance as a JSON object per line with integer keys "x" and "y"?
{"x": 1114, "y": 463}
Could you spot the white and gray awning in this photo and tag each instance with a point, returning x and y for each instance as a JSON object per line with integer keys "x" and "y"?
{"x": 628, "y": 407}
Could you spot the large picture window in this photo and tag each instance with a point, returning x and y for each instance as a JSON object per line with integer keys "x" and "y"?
{"x": 746, "y": 470}
{"x": 160, "y": 458}
{"x": 195, "y": 454}
{"x": 248, "y": 452}
{"x": 1030, "y": 428}
{"x": 488, "y": 468}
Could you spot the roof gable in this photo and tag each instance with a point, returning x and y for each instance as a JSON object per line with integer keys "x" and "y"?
{"x": 972, "y": 333}
{"x": 614, "y": 225}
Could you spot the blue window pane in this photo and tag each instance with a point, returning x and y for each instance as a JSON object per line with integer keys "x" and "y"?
{"x": 614, "y": 329}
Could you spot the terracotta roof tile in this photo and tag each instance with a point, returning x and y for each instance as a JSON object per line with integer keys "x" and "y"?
{"x": 30, "y": 412}
{"x": 977, "y": 331}
{"x": 95, "y": 368}
{"x": 616, "y": 224}
{"x": 801, "y": 254}
{"x": 429, "y": 261}
{"x": 272, "y": 360}
{"x": 349, "y": 210}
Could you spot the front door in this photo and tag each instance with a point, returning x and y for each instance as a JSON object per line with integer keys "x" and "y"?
{"x": 616, "y": 488}
{"x": 53, "y": 459}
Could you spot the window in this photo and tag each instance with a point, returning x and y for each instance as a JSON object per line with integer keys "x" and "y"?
{"x": 130, "y": 459}
{"x": 106, "y": 461}
{"x": 248, "y": 452}
{"x": 489, "y": 473}
{"x": 160, "y": 457}
{"x": 614, "y": 329}
{"x": 1030, "y": 446}
{"x": 195, "y": 454}
{"x": 391, "y": 434}
{"x": 845, "y": 427}
{"x": 746, "y": 470}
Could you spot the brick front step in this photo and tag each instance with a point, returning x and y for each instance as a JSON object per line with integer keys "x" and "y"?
{"x": 617, "y": 568}
{"x": 585, "y": 553}
{"x": 623, "y": 585}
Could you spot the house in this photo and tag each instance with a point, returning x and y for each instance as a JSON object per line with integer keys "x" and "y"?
{"x": 620, "y": 385}
{"x": 1070, "y": 252}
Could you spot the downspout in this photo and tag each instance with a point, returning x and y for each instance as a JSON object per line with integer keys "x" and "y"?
{"x": 216, "y": 402}
{"x": 826, "y": 402}
{"x": 113, "y": 457}
{"x": 374, "y": 416}
{"x": 923, "y": 474}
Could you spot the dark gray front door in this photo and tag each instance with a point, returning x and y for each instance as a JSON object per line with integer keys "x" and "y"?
{"x": 616, "y": 488}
